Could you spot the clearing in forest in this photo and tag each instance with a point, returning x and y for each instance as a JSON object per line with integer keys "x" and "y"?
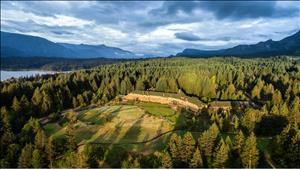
{"x": 121, "y": 124}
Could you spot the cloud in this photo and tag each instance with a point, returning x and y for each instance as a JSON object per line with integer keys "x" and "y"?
{"x": 55, "y": 20}
{"x": 240, "y": 9}
{"x": 187, "y": 36}
{"x": 230, "y": 9}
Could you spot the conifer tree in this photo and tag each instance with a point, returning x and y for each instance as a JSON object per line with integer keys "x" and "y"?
{"x": 196, "y": 161}
{"x": 50, "y": 149}
{"x": 228, "y": 142}
{"x": 188, "y": 146}
{"x": 38, "y": 159}
{"x": 250, "y": 153}
{"x": 207, "y": 142}
{"x": 166, "y": 160}
{"x": 239, "y": 141}
{"x": 40, "y": 139}
{"x": 26, "y": 157}
{"x": 221, "y": 155}
{"x": 140, "y": 85}
{"x": 16, "y": 105}
{"x": 175, "y": 146}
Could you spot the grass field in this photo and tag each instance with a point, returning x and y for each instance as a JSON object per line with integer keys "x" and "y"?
{"x": 120, "y": 124}
{"x": 126, "y": 124}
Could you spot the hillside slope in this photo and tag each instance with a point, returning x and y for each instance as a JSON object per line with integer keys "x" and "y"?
{"x": 19, "y": 45}
{"x": 287, "y": 46}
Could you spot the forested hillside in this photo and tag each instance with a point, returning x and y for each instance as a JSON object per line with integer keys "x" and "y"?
{"x": 265, "y": 134}
{"x": 55, "y": 64}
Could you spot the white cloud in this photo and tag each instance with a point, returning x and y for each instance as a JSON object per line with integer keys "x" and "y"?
{"x": 56, "y": 20}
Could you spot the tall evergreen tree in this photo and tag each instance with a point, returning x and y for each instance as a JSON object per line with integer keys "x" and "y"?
{"x": 175, "y": 147}
{"x": 188, "y": 146}
{"x": 38, "y": 159}
{"x": 250, "y": 153}
{"x": 207, "y": 142}
{"x": 166, "y": 160}
{"x": 221, "y": 155}
{"x": 196, "y": 161}
{"x": 25, "y": 160}
{"x": 51, "y": 153}
{"x": 40, "y": 139}
{"x": 239, "y": 141}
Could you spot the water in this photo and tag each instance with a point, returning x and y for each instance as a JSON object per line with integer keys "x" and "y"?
{"x": 23, "y": 73}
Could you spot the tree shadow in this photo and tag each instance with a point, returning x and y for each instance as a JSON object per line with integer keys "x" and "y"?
{"x": 116, "y": 153}
{"x": 133, "y": 132}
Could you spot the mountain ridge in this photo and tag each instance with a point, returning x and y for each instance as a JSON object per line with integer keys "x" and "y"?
{"x": 20, "y": 45}
{"x": 287, "y": 46}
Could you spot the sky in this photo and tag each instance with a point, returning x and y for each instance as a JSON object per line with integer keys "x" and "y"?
{"x": 159, "y": 28}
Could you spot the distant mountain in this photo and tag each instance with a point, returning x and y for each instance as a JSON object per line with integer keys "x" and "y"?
{"x": 287, "y": 46}
{"x": 19, "y": 45}
{"x": 95, "y": 51}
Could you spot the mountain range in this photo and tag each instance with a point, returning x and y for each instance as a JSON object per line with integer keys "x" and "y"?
{"x": 287, "y": 46}
{"x": 19, "y": 45}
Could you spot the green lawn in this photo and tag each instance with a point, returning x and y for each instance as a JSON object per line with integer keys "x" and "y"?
{"x": 157, "y": 109}
{"x": 163, "y": 111}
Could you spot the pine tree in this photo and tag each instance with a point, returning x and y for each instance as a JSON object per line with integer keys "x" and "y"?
{"x": 255, "y": 93}
{"x": 196, "y": 161}
{"x": 6, "y": 135}
{"x": 50, "y": 149}
{"x": 239, "y": 141}
{"x": 188, "y": 146}
{"x": 250, "y": 153}
{"x": 166, "y": 160}
{"x": 228, "y": 142}
{"x": 221, "y": 155}
{"x": 37, "y": 97}
{"x": 235, "y": 120}
{"x": 74, "y": 102}
{"x": 47, "y": 105}
{"x": 276, "y": 97}
{"x": 94, "y": 85}
{"x": 16, "y": 105}
{"x": 40, "y": 139}
{"x": 162, "y": 85}
{"x": 207, "y": 141}
{"x": 26, "y": 156}
{"x": 140, "y": 85}
{"x": 175, "y": 146}
{"x": 38, "y": 159}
